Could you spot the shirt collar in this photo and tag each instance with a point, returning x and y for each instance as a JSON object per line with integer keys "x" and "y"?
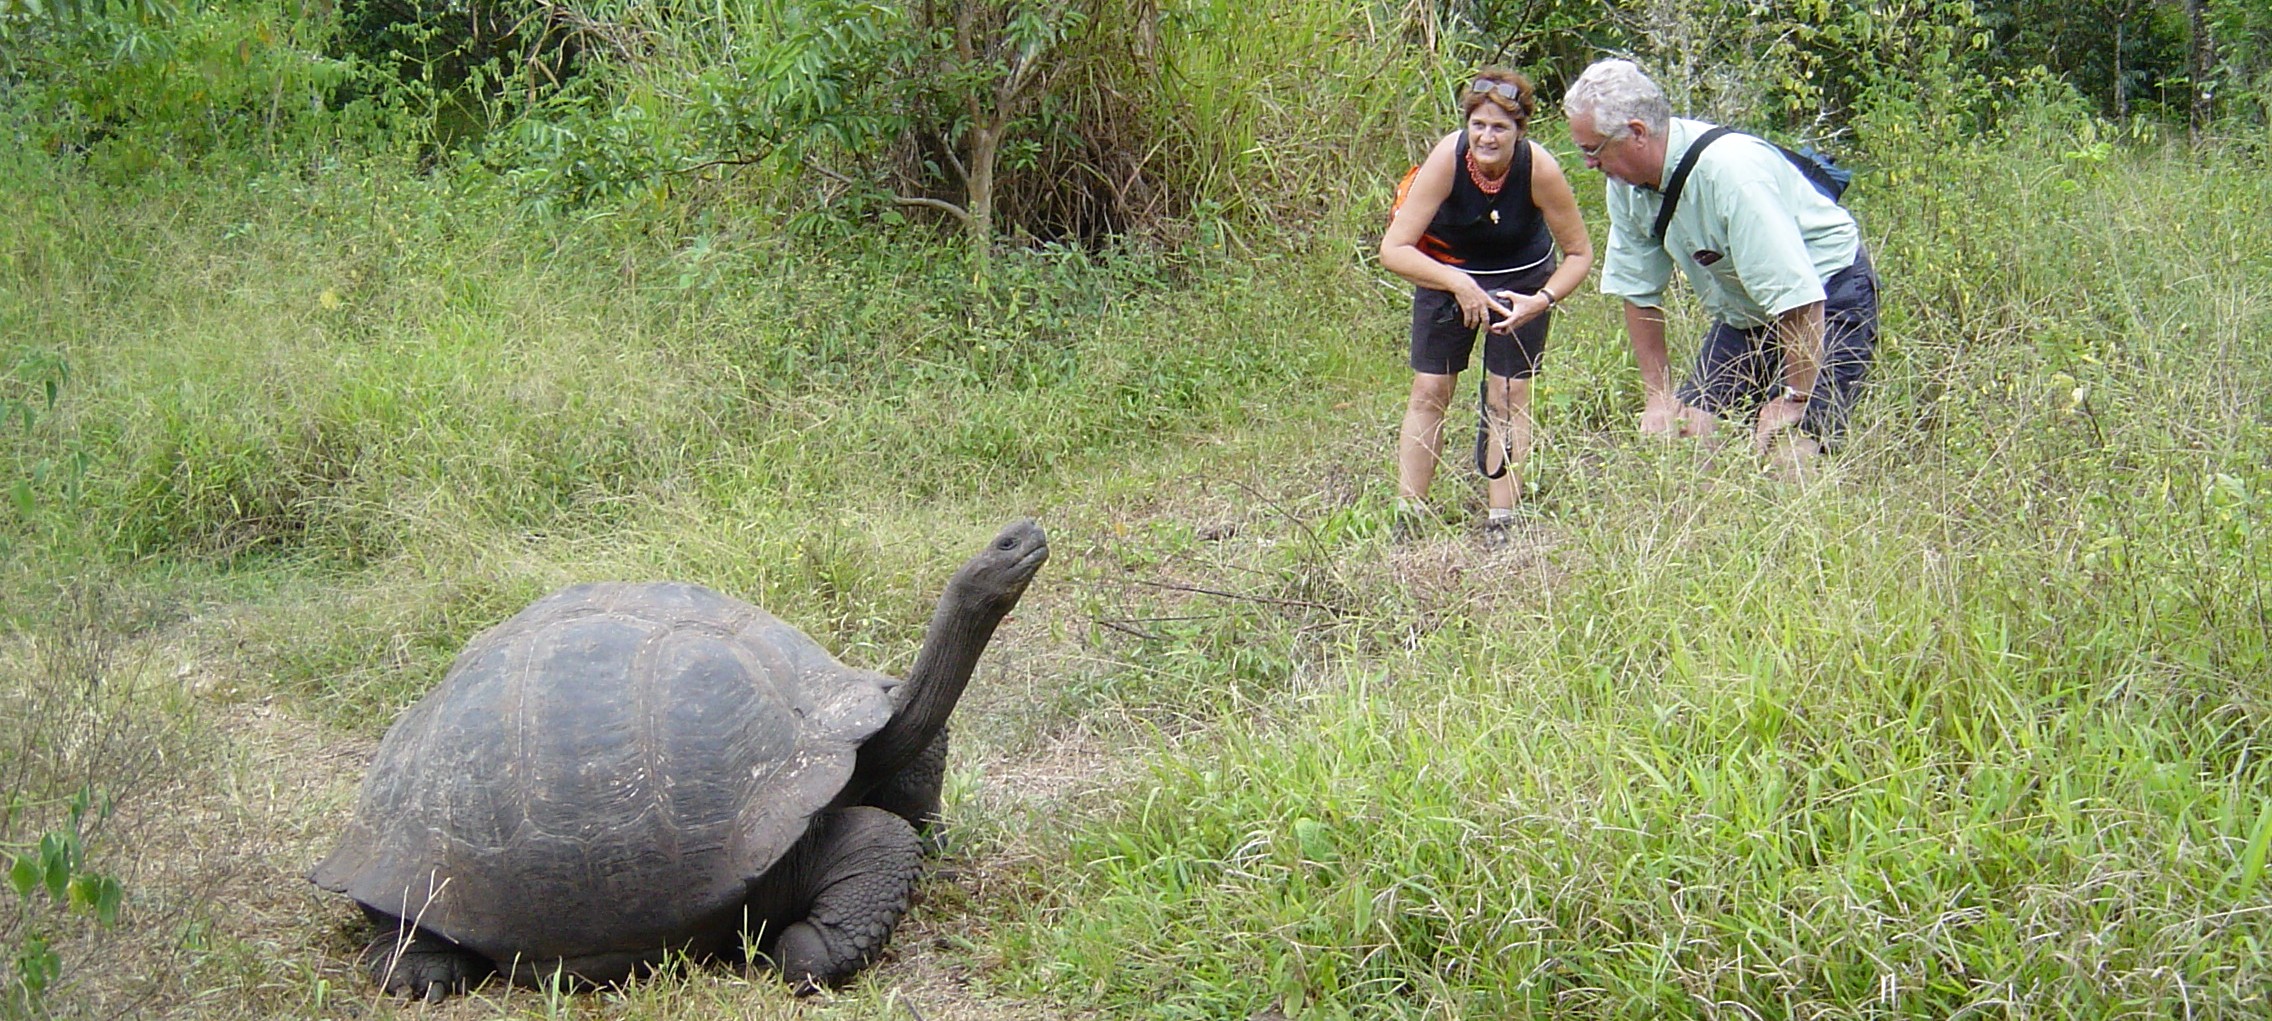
{"x": 1680, "y": 133}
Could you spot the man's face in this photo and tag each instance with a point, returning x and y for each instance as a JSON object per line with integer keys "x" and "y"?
{"x": 1622, "y": 156}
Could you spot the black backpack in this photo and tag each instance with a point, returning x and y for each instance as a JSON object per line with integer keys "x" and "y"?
{"x": 1820, "y": 169}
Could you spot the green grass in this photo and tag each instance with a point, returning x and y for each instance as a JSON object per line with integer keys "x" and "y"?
{"x": 1967, "y": 723}
{"x": 1775, "y": 771}
{"x": 1970, "y": 725}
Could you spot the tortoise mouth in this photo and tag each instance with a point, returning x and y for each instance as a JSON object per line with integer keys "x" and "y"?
{"x": 1020, "y": 575}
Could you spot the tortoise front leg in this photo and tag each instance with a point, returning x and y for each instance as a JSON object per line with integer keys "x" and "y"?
{"x": 856, "y": 873}
{"x": 411, "y": 962}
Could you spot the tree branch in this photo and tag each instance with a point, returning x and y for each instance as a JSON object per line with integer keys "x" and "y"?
{"x": 1126, "y": 630}
{"x": 947, "y": 147}
{"x": 1021, "y": 75}
{"x": 918, "y": 201}
{"x": 737, "y": 161}
{"x": 949, "y": 208}
{"x": 1219, "y": 593}
{"x": 963, "y": 50}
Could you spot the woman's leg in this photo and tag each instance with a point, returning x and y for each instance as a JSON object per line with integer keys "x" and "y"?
{"x": 1510, "y": 360}
{"x": 1507, "y": 404}
{"x": 1421, "y": 443}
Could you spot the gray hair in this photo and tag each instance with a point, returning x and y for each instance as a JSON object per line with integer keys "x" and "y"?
{"x": 1612, "y": 92}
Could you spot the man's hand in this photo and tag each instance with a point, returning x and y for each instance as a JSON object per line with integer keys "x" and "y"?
{"x": 1774, "y": 417}
{"x": 1666, "y": 417}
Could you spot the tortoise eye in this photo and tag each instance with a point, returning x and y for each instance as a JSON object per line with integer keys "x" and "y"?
{"x": 1008, "y": 542}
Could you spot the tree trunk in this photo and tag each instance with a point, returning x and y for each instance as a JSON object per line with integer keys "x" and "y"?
{"x": 2204, "y": 60}
{"x": 985, "y": 142}
{"x": 2121, "y": 84}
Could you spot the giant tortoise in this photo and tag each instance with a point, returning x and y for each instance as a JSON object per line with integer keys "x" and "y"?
{"x": 622, "y": 773}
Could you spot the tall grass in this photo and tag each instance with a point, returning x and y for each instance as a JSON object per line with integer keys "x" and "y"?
{"x": 368, "y": 372}
{"x": 92, "y": 737}
{"x": 1971, "y": 724}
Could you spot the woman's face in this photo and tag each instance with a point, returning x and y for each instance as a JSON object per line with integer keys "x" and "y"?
{"x": 1491, "y": 135}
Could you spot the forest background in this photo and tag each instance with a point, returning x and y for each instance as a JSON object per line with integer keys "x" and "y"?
{"x": 335, "y": 331}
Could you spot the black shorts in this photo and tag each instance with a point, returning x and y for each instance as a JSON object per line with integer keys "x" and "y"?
{"x": 1441, "y": 343}
{"x": 1738, "y": 370}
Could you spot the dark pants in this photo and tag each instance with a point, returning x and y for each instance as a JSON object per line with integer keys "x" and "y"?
{"x": 1441, "y": 342}
{"x": 1738, "y": 370}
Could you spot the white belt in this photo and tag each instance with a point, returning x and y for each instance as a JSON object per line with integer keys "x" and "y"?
{"x": 1541, "y": 261}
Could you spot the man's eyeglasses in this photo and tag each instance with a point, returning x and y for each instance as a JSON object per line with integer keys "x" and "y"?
{"x": 1593, "y": 152}
{"x": 1503, "y": 90}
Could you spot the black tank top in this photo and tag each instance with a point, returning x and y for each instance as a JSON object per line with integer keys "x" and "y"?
{"x": 1468, "y": 234}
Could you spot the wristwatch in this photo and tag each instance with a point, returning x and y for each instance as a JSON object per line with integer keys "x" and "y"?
{"x": 1797, "y": 396}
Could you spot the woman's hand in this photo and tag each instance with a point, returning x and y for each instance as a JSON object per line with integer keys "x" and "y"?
{"x": 1476, "y": 307}
{"x": 1520, "y": 309}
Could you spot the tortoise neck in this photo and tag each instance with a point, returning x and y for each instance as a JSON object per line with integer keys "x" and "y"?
{"x": 960, "y": 629}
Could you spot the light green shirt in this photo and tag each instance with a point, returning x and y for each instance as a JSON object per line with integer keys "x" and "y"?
{"x": 1778, "y": 239}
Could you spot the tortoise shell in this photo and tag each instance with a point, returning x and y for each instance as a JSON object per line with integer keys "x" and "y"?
{"x": 608, "y": 771}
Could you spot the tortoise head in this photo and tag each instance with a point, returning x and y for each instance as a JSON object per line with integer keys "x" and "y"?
{"x": 976, "y": 600}
{"x": 994, "y": 579}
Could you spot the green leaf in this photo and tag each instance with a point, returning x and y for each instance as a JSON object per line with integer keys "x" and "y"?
{"x": 37, "y": 966}
{"x": 2259, "y": 844}
{"x": 55, "y": 858}
{"x": 97, "y": 895}
{"x": 108, "y": 899}
{"x": 1315, "y": 840}
{"x": 23, "y": 875}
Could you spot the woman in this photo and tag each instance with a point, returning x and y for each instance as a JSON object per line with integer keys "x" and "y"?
{"x": 1475, "y": 230}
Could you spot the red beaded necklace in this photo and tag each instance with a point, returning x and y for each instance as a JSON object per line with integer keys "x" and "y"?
{"x": 1488, "y": 186}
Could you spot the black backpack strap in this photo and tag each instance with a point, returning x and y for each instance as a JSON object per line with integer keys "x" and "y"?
{"x": 1820, "y": 170}
{"x": 1679, "y": 179}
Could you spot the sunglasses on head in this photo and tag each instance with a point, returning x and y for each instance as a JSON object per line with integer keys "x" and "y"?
{"x": 1503, "y": 90}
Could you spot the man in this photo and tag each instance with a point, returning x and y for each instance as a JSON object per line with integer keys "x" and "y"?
{"x": 1778, "y": 265}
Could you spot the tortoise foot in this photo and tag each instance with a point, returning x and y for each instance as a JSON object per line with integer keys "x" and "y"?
{"x": 424, "y": 966}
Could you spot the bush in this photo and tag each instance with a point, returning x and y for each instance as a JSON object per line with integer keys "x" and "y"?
{"x": 128, "y": 95}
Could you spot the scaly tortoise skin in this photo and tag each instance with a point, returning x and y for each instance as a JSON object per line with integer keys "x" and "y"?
{"x": 622, "y": 773}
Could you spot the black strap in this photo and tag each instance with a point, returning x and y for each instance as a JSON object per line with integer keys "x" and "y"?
{"x": 1680, "y": 179}
{"x": 1483, "y": 434}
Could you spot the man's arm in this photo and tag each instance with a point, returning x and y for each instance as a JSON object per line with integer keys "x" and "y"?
{"x": 1637, "y": 268}
{"x": 1660, "y": 410}
{"x": 1800, "y": 331}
